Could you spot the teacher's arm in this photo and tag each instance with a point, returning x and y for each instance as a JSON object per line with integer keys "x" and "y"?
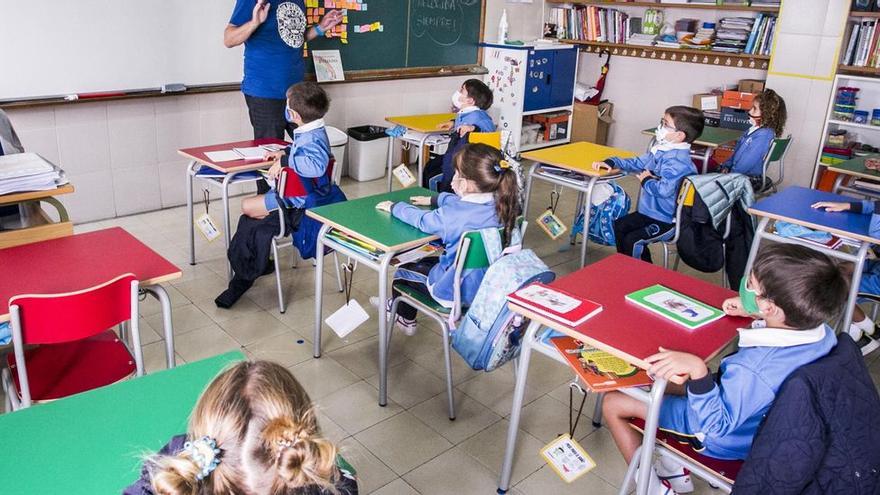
{"x": 328, "y": 22}
{"x": 235, "y": 35}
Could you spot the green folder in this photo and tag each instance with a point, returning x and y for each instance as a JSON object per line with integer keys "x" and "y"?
{"x": 675, "y": 306}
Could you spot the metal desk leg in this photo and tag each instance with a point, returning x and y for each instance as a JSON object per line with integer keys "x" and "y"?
{"x": 650, "y": 436}
{"x": 227, "y": 179}
{"x": 528, "y": 191}
{"x": 572, "y": 237}
{"x": 759, "y": 234}
{"x": 422, "y": 158}
{"x": 838, "y": 182}
{"x": 390, "y": 160}
{"x": 587, "y": 202}
{"x": 190, "y": 170}
{"x": 515, "y": 410}
{"x": 383, "y": 328}
{"x": 854, "y": 286}
{"x": 319, "y": 289}
{"x": 159, "y": 293}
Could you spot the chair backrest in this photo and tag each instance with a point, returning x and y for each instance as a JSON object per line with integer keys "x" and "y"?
{"x": 493, "y": 139}
{"x": 57, "y": 318}
{"x": 475, "y": 256}
{"x": 291, "y": 185}
{"x": 778, "y": 148}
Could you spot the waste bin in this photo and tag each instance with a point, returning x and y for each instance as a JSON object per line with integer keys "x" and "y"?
{"x": 367, "y": 152}
{"x": 338, "y": 139}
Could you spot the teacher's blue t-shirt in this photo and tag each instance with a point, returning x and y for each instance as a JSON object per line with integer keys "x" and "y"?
{"x": 273, "y": 58}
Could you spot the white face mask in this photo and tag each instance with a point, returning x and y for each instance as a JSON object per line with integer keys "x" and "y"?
{"x": 660, "y": 134}
{"x": 457, "y": 184}
{"x": 456, "y": 99}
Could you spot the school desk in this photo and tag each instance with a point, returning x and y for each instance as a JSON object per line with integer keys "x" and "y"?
{"x": 848, "y": 174}
{"x": 793, "y": 205}
{"x": 710, "y": 139}
{"x": 84, "y": 260}
{"x": 94, "y": 442}
{"x": 40, "y": 225}
{"x": 230, "y": 170}
{"x": 359, "y": 218}
{"x": 626, "y": 331}
{"x": 422, "y": 127}
{"x": 575, "y": 157}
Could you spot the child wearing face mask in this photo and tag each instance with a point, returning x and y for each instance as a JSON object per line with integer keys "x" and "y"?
{"x": 767, "y": 118}
{"x": 308, "y": 156}
{"x": 486, "y": 195}
{"x": 470, "y": 102}
{"x": 792, "y": 292}
{"x": 660, "y": 172}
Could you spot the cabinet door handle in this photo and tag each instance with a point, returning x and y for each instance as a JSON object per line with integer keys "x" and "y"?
{"x": 548, "y": 79}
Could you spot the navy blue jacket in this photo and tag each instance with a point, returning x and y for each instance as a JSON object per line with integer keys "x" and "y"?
{"x": 821, "y": 434}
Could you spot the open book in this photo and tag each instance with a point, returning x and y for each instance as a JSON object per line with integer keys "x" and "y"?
{"x": 599, "y": 370}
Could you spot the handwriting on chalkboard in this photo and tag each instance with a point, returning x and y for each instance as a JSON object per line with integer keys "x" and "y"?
{"x": 442, "y": 21}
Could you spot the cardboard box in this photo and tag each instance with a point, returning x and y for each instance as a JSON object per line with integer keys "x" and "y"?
{"x": 737, "y": 99}
{"x": 751, "y": 85}
{"x": 707, "y": 101}
{"x": 591, "y": 122}
{"x": 555, "y": 125}
{"x": 732, "y": 118}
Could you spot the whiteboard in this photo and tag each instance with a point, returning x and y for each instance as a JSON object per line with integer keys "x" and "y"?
{"x": 60, "y": 47}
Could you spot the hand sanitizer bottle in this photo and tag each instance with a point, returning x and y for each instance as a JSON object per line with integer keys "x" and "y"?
{"x": 502, "y": 28}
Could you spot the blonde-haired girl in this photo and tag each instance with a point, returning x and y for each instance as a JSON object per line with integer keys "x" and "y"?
{"x": 253, "y": 431}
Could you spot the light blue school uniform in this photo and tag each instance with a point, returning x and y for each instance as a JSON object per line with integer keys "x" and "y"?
{"x": 870, "y": 282}
{"x": 749, "y": 152}
{"x": 476, "y": 117}
{"x": 722, "y": 412}
{"x": 670, "y": 164}
{"x": 453, "y": 217}
{"x": 309, "y": 156}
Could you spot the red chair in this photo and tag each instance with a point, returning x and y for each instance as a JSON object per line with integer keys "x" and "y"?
{"x": 290, "y": 185}
{"x": 76, "y": 347}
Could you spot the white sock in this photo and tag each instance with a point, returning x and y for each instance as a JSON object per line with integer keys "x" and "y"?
{"x": 866, "y": 326}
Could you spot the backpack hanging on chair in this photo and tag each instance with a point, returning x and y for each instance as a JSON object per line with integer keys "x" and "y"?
{"x": 603, "y": 214}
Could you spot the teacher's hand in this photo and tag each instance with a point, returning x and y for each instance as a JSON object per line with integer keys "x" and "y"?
{"x": 261, "y": 12}
{"x": 330, "y": 20}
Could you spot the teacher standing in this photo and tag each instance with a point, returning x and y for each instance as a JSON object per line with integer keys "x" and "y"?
{"x": 273, "y": 37}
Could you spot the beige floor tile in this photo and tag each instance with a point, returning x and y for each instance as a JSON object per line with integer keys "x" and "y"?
{"x": 204, "y": 342}
{"x": 321, "y": 377}
{"x": 253, "y": 327}
{"x": 423, "y": 341}
{"x": 362, "y": 358}
{"x": 396, "y": 487}
{"x": 371, "y": 472}
{"x": 471, "y": 417}
{"x": 546, "y": 481}
{"x": 545, "y": 373}
{"x": 148, "y": 333}
{"x": 208, "y": 286}
{"x": 403, "y": 442}
{"x": 242, "y": 307}
{"x": 433, "y": 361}
{"x": 356, "y": 407}
{"x": 560, "y": 393}
{"x": 495, "y": 390}
{"x": 329, "y": 429}
{"x": 454, "y": 471}
{"x": 410, "y": 384}
{"x": 610, "y": 465}
{"x": 150, "y": 305}
{"x": 487, "y": 447}
{"x": 183, "y": 318}
{"x": 547, "y": 418}
{"x": 287, "y": 349}
{"x": 154, "y": 357}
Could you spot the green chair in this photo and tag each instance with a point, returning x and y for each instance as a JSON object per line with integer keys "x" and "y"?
{"x": 471, "y": 255}
{"x": 776, "y": 154}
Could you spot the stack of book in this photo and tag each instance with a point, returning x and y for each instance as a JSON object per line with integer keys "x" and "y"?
{"x": 591, "y": 23}
{"x": 354, "y": 243}
{"x": 833, "y": 156}
{"x": 22, "y": 172}
{"x": 641, "y": 39}
{"x": 862, "y": 44}
{"x": 733, "y": 34}
{"x": 761, "y": 38}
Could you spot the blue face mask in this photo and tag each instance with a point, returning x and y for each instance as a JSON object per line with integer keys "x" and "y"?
{"x": 288, "y": 115}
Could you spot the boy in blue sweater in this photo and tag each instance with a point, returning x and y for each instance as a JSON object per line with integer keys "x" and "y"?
{"x": 308, "y": 156}
{"x": 792, "y": 291}
{"x": 660, "y": 173}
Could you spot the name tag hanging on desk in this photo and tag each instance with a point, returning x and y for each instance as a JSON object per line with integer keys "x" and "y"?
{"x": 351, "y": 315}
{"x": 206, "y": 225}
{"x": 549, "y": 222}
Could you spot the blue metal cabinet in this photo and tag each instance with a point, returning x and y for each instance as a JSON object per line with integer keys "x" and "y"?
{"x": 550, "y": 78}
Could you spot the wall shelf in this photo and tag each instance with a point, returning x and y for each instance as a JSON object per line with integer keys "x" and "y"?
{"x": 856, "y": 15}
{"x": 655, "y": 5}
{"x": 703, "y": 57}
{"x": 860, "y": 71}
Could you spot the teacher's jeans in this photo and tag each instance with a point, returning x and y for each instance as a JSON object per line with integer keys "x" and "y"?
{"x": 267, "y": 119}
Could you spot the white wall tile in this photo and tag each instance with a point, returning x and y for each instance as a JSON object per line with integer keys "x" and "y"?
{"x": 810, "y": 17}
{"x": 41, "y": 141}
{"x": 176, "y": 131}
{"x": 68, "y": 114}
{"x": 85, "y": 147}
{"x": 136, "y": 190}
{"x": 25, "y": 119}
{"x": 172, "y": 183}
{"x": 220, "y": 126}
{"x": 93, "y": 198}
{"x": 132, "y": 129}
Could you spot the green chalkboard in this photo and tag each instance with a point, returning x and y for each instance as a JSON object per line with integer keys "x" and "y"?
{"x": 415, "y": 33}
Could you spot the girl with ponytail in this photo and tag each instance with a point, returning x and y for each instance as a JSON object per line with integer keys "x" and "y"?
{"x": 485, "y": 195}
{"x": 252, "y": 432}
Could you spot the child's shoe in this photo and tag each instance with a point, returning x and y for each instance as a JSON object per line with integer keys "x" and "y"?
{"x": 657, "y": 486}
{"x": 675, "y": 474}
{"x": 405, "y": 325}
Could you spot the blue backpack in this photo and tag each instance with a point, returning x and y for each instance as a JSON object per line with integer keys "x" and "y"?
{"x": 602, "y": 216}
{"x": 489, "y": 334}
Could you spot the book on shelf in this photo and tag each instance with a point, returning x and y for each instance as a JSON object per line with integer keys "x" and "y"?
{"x": 597, "y": 369}
{"x": 555, "y": 304}
{"x": 675, "y": 306}
{"x": 862, "y": 42}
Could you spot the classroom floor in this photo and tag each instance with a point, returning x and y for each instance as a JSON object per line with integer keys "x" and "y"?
{"x": 410, "y": 446}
